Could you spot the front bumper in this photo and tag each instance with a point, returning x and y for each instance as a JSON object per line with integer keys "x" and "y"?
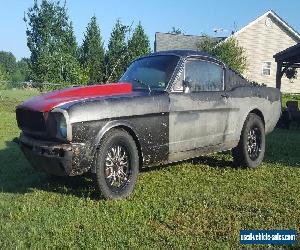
{"x": 53, "y": 157}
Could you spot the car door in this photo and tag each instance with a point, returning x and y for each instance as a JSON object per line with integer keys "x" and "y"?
{"x": 199, "y": 114}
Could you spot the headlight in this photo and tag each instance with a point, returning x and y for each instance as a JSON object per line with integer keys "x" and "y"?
{"x": 62, "y": 126}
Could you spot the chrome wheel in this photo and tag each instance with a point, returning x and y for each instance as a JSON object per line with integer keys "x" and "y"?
{"x": 254, "y": 143}
{"x": 117, "y": 167}
{"x": 116, "y": 164}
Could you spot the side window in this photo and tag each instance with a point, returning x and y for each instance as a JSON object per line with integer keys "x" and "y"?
{"x": 203, "y": 76}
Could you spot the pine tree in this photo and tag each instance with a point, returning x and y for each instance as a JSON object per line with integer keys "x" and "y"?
{"x": 51, "y": 40}
{"x": 117, "y": 53}
{"x": 138, "y": 44}
{"x": 92, "y": 53}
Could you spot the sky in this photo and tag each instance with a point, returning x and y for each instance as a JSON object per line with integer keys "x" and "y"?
{"x": 194, "y": 17}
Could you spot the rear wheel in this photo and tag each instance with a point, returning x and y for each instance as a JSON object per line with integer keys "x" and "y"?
{"x": 117, "y": 165}
{"x": 251, "y": 148}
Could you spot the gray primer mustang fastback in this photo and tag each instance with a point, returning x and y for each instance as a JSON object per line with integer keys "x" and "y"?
{"x": 183, "y": 104}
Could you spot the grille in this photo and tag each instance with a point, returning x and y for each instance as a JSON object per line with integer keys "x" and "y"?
{"x": 31, "y": 120}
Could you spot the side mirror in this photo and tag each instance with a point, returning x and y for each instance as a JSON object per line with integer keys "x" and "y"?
{"x": 187, "y": 85}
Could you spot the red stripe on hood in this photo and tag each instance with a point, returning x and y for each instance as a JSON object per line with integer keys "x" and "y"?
{"x": 48, "y": 101}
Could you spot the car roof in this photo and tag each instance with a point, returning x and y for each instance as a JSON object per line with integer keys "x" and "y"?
{"x": 183, "y": 53}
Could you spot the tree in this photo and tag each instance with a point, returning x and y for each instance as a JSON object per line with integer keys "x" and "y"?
{"x": 8, "y": 62}
{"x": 227, "y": 51}
{"x": 23, "y": 68}
{"x": 138, "y": 44}
{"x": 3, "y": 74}
{"x": 17, "y": 76}
{"x": 116, "y": 54}
{"x": 93, "y": 53}
{"x": 291, "y": 73}
{"x": 12, "y": 70}
{"x": 51, "y": 40}
{"x": 3, "y": 78}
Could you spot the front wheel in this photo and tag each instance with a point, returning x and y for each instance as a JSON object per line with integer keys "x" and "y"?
{"x": 117, "y": 165}
{"x": 251, "y": 148}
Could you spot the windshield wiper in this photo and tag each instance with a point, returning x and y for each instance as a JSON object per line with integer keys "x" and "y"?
{"x": 143, "y": 83}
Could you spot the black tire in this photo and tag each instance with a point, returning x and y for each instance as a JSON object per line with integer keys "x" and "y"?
{"x": 117, "y": 165}
{"x": 251, "y": 148}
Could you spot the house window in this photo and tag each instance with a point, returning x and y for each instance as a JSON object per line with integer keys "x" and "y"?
{"x": 266, "y": 68}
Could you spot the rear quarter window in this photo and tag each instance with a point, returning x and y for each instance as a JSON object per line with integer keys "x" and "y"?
{"x": 204, "y": 75}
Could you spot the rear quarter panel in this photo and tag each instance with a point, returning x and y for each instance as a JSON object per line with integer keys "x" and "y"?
{"x": 263, "y": 99}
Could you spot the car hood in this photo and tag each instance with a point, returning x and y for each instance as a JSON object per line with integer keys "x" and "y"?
{"x": 48, "y": 101}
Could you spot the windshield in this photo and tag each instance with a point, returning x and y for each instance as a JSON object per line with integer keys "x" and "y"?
{"x": 151, "y": 73}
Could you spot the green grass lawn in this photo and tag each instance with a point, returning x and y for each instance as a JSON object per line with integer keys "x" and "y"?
{"x": 200, "y": 203}
{"x": 290, "y": 97}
